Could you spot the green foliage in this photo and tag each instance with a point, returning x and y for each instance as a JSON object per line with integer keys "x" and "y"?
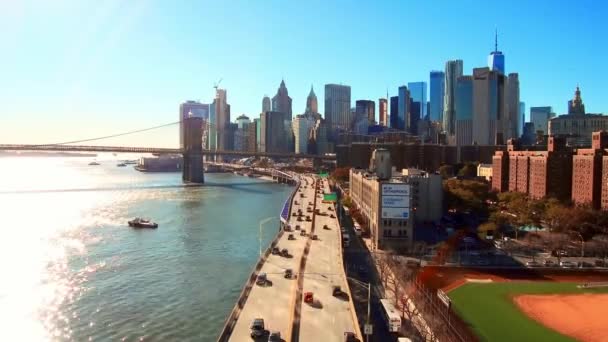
{"x": 466, "y": 194}
{"x": 446, "y": 171}
{"x": 347, "y": 201}
{"x": 494, "y": 316}
{"x": 341, "y": 174}
{"x": 468, "y": 170}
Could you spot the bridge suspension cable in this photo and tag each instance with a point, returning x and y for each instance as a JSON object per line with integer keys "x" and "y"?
{"x": 112, "y": 135}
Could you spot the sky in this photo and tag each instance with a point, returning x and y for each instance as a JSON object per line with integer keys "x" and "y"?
{"x": 76, "y": 69}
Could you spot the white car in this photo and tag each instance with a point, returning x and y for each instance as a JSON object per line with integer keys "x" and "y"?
{"x": 567, "y": 264}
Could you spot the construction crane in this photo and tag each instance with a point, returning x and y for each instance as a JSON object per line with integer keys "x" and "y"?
{"x": 217, "y": 84}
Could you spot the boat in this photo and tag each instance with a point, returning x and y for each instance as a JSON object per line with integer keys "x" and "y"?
{"x": 94, "y": 163}
{"x": 139, "y": 222}
{"x": 121, "y": 164}
{"x": 130, "y": 162}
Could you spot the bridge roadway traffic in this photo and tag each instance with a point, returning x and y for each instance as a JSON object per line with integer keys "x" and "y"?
{"x": 329, "y": 317}
{"x": 126, "y": 149}
{"x": 280, "y": 304}
{"x": 274, "y": 302}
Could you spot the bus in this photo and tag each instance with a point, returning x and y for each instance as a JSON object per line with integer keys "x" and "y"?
{"x": 391, "y": 315}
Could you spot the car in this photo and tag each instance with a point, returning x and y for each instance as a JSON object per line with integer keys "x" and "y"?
{"x": 315, "y": 237}
{"x": 599, "y": 263}
{"x": 585, "y": 264}
{"x": 284, "y": 252}
{"x": 549, "y": 263}
{"x": 332, "y": 215}
{"x": 567, "y": 264}
{"x": 308, "y": 219}
{"x": 299, "y": 218}
{"x": 291, "y": 237}
{"x": 308, "y": 297}
{"x": 350, "y": 337}
{"x": 532, "y": 263}
{"x": 288, "y": 273}
{"x": 330, "y": 208}
{"x": 274, "y": 337}
{"x": 275, "y": 250}
{"x": 325, "y": 227}
{"x": 336, "y": 290}
{"x": 343, "y": 230}
{"x": 262, "y": 279}
{"x": 257, "y": 328}
{"x": 294, "y": 214}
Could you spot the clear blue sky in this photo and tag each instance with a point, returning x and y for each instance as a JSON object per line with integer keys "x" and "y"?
{"x": 75, "y": 68}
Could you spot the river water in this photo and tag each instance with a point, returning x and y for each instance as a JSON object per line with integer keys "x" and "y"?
{"x": 73, "y": 271}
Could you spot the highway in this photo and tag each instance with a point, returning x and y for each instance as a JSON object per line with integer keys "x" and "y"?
{"x": 274, "y": 302}
{"x": 328, "y": 317}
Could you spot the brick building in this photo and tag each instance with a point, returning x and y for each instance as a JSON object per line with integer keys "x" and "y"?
{"x": 536, "y": 173}
{"x": 587, "y": 184}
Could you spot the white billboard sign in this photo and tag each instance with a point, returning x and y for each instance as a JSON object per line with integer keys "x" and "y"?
{"x": 395, "y": 201}
{"x": 396, "y": 213}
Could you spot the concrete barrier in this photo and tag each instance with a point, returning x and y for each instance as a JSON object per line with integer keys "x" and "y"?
{"x": 242, "y": 299}
{"x": 294, "y": 333}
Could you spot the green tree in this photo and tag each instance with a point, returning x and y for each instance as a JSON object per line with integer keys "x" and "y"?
{"x": 468, "y": 170}
{"x": 446, "y": 171}
{"x": 341, "y": 174}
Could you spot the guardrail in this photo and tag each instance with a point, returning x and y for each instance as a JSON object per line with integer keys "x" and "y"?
{"x": 242, "y": 299}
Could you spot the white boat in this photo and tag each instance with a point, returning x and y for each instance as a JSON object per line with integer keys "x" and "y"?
{"x": 139, "y": 222}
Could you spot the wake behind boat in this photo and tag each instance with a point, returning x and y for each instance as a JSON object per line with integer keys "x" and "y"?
{"x": 139, "y": 222}
{"x": 93, "y": 163}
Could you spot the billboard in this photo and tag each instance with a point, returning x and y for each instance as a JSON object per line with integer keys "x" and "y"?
{"x": 395, "y": 201}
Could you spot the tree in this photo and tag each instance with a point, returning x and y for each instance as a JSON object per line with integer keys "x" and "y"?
{"x": 468, "y": 170}
{"x": 341, "y": 174}
{"x": 446, "y": 171}
{"x": 347, "y": 201}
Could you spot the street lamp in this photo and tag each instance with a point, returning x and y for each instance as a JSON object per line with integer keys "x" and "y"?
{"x": 369, "y": 295}
{"x": 262, "y": 222}
{"x": 582, "y": 243}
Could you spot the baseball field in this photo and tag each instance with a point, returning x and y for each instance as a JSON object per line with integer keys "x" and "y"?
{"x": 533, "y": 311}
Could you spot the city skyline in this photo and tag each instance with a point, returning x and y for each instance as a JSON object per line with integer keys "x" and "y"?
{"x": 130, "y": 65}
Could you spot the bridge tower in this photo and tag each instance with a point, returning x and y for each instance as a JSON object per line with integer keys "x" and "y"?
{"x": 192, "y": 171}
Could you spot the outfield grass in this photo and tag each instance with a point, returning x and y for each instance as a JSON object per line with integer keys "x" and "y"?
{"x": 493, "y": 315}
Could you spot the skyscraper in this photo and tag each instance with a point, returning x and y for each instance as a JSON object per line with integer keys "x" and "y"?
{"x": 382, "y": 112}
{"x": 312, "y": 105}
{"x": 489, "y": 106}
{"x": 453, "y": 70}
{"x": 222, "y": 115}
{"x": 266, "y": 104}
{"x": 366, "y": 109}
{"x": 403, "y": 109}
{"x": 510, "y": 123}
{"x": 464, "y": 110}
{"x": 273, "y": 136}
{"x": 190, "y": 109}
{"x": 418, "y": 104}
{"x": 302, "y": 125}
{"x": 394, "y": 118}
{"x": 496, "y": 60}
{"x": 418, "y": 94}
{"x": 522, "y": 115}
{"x": 540, "y": 116}
{"x": 437, "y": 94}
{"x": 337, "y": 107}
{"x": 281, "y": 102}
